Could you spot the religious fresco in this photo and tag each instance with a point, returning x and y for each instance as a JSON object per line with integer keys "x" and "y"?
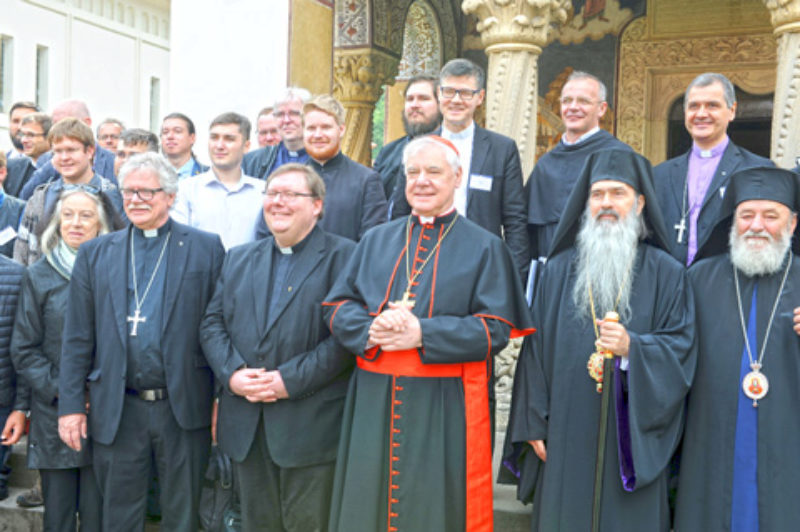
{"x": 422, "y": 42}
{"x": 588, "y": 42}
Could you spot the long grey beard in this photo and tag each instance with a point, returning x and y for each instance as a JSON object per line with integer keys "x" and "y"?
{"x": 764, "y": 261}
{"x": 606, "y": 251}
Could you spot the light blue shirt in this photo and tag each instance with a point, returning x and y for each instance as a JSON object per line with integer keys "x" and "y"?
{"x": 206, "y": 203}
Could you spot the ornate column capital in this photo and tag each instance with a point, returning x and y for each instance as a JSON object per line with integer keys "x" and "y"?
{"x": 358, "y": 78}
{"x": 785, "y": 15}
{"x": 360, "y": 73}
{"x": 517, "y": 24}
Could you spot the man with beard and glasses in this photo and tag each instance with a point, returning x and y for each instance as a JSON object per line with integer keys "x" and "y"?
{"x": 420, "y": 116}
{"x": 739, "y": 468}
{"x": 605, "y": 258}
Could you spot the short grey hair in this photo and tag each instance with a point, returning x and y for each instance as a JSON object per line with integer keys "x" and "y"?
{"x": 602, "y": 92}
{"x": 416, "y": 145}
{"x": 456, "y": 68}
{"x": 154, "y": 162}
{"x": 140, "y": 136}
{"x": 52, "y": 233}
{"x": 291, "y": 94}
{"x": 709, "y": 78}
{"x": 115, "y": 121}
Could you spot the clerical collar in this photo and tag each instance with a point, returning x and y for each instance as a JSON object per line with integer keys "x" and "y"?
{"x": 333, "y": 161}
{"x": 445, "y": 217}
{"x": 580, "y": 139}
{"x": 297, "y": 248}
{"x": 716, "y": 151}
{"x": 465, "y": 133}
{"x": 153, "y": 233}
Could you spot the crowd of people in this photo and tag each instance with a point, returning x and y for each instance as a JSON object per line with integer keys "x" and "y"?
{"x": 332, "y": 328}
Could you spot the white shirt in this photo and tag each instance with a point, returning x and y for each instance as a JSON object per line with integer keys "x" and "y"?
{"x": 463, "y": 143}
{"x": 206, "y": 203}
{"x": 585, "y": 136}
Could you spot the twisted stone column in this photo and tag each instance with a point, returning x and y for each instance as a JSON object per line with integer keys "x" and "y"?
{"x": 358, "y": 78}
{"x": 785, "y": 16}
{"x": 514, "y": 33}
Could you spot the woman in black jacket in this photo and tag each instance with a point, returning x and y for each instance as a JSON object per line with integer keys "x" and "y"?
{"x": 68, "y": 484}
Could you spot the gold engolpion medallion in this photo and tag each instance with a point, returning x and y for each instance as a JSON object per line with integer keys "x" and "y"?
{"x": 595, "y": 367}
{"x": 755, "y": 385}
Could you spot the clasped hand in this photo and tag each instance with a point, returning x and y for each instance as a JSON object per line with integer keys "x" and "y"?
{"x": 396, "y": 329}
{"x": 258, "y": 385}
{"x": 613, "y": 337}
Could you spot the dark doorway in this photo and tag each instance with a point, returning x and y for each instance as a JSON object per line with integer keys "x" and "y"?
{"x": 751, "y": 129}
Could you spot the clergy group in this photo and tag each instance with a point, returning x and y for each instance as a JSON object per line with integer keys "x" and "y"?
{"x": 331, "y": 329}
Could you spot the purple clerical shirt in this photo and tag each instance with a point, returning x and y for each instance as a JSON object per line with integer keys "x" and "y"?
{"x": 702, "y": 167}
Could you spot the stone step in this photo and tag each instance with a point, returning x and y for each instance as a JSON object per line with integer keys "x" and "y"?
{"x": 21, "y": 476}
{"x": 16, "y": 519}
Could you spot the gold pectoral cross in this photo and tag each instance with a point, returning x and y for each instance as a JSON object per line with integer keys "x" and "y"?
{"x": 405, "y": 301}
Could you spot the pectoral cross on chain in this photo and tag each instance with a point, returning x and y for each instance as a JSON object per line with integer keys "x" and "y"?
{"x": 681, "y": 228}
{"x": 406, "y": 301}
{"x": 136, "y": 319}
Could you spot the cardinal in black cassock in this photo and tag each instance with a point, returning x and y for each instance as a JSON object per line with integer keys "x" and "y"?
{"x": 415, "y": 452}
{"x": 739, "y": 468}
{"x": 555, "y": 402}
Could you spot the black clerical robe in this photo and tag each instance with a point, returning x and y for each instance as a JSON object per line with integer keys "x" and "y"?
{"x": 555, "y": 400}
{"x": 706, "y": 471}
{"x": 551, "y": 183}
{"x": 415, "y": 452}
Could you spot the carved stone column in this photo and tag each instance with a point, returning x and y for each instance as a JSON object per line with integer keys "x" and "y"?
{"x": 785, "y": 16}
{"x": 514, "y": 33}
{"x": 358, "y": 77}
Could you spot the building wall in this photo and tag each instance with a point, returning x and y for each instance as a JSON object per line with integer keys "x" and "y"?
{"x": 101, "y": 51}
{"x": 226, "y": 56}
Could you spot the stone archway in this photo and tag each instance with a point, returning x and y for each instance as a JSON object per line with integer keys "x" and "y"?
{"x": 653, "y": 73}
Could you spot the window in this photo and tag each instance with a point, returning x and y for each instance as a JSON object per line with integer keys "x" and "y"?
{"x": 42, "y": 76}
{"x": 6, "y": 51}
{"x": 155, "y": 104}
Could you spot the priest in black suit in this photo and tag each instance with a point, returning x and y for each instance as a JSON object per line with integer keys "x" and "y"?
{"x": 491, "y": 192}
{"x": 739, "y": 466}
{"x": 284, "y": 376}
{"x": 691, "y": 187}
{"x": 583, "y": 104}
{"x": 136, "y": 300}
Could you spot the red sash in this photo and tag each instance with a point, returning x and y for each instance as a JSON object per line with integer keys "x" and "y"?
{"x": 475, "y": 379}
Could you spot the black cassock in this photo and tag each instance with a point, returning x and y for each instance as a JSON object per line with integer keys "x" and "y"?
{"x": 551, "y": 182}
{"x": 707, "y": 464}
{"x": 555, "y": 400}
{"x": 405, "y": 446}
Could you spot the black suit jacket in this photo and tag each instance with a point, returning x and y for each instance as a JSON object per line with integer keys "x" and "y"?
{"x": 292, "y": 337}
{"x": 20, "y": 170}
{"x": 670, "y": 182}
{"x": 96, "y": 329}
{"x": 503, "y": 210}
{"x": 258, "y": 163}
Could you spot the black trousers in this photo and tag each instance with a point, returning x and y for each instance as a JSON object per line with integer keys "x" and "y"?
{"x": 149, "y": 434}
{"x": 278, "y": 498}
{"x": 66, "y": 491}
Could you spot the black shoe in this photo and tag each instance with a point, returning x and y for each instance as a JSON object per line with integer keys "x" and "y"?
{"x": 3, "y": 491}
{"x": 31, "y": 498}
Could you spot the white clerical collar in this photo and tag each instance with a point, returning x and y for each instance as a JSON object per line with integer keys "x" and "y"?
{"x": 430, "y": 219}
{"x": 465, "y": 133}
{"x": 285, "y": 251}
{"x": 583, "y": 137}
{"x": 150, "y": 233}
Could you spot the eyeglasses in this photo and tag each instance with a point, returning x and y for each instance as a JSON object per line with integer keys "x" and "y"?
{"x": 450, "y": 92}
{"x": 286, "y": 114}
{"x": 569, "y": 100}
{"x": 83, "y": 187}
{"x": 28, "y": 134}
{"x": 108, "y": 136}
{"x": 145, "y": 194}
{"x": 288, "y": 195}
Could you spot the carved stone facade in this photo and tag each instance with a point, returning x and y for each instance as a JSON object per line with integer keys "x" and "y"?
{"x": 514, "y": 32}
{"x": 785, "y": 16}
{"x": 358, "y": 77}
{"x": 652, "y": 73}
{"x": 422, "y": 42}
